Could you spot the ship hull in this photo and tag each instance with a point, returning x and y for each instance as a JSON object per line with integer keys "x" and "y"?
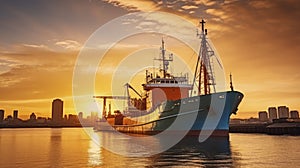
{"x": 208, "y": 114}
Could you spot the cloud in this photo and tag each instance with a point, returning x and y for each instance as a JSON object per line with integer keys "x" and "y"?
{"x": 190, "y": 10}
{"x": 259, "y": 4}
{"x": 9, "y": 79}
{"x": 31, "y": 63}
{"x": 134, "y": 5}
{"x": 6, "y": 65}
{"x": 69, "y": 44}
{"x": 206, "y": 2}
{"x": 187, "y": 7}
{"x": 226, "y": 2}
{"x": 217, "y": 13}
{"x": 41, "y": 46}
{"x": 36, "y": 55}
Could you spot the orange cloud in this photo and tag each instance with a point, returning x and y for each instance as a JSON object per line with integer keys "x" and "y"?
{"x": 134, "y": 5}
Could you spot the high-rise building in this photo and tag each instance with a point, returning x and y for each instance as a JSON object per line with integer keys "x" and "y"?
{"x": 57, "y": 110}
{"x": 1, "y": 115}
{"x": 294, "y": 114}
{"x": 283, "y": 112}
{"x": 263, "y": 116}
{"x": 272, "y": 113}
{"x": 15, "y": 115}
{"x": 80, "y": 115}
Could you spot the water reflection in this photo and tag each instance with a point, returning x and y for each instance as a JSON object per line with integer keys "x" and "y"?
{"x": 72, "y": 148}
{"x": 94, "y": 154}
{"x": 214, "y": 152}
{"x": 55, "y": 147}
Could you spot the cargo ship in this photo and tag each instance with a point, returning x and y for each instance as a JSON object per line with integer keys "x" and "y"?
{"x": 168, "y": 97}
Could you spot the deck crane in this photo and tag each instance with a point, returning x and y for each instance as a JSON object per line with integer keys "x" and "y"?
{"x": 128, "y": 86}
{"x": 109, "y": 97}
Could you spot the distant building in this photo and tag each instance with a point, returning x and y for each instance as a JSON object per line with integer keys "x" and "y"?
{"x": 41, "y": 120}
{"x": 57, "y": 110}
{"x": 9, "y": 118}
{"x": 294, "y": 114}
{"x": 94, "y": 117}
{"x": 80, "y": 115}
{"x": 272, "y": 113}
{"x": 263, "y": 116}
{"x": 1, "y": 115}
{"x": 65, "y": 117}
{"x": 15, "y": 115}
{"x": 283, "y": 112}
{"x": 32, "y": 117}
{"x": 73, "y": 118}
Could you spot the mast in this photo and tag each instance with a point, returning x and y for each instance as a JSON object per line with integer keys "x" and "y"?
{"x": 163, "y": 56}
{"x": 165, "y": 61}
{"x": 204, "y": 71}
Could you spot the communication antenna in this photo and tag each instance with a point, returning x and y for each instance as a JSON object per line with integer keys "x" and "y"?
{"x": 231, "y": 85}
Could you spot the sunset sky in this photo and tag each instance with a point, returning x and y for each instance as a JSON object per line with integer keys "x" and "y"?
{"x": 258, "y": 42}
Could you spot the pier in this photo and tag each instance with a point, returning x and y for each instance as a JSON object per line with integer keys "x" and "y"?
{"x": 278, "y": 127}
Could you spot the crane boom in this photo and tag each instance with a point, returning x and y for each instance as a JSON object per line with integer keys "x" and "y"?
{"x": 129, "y": 86}
{"x": 109, "y": 97}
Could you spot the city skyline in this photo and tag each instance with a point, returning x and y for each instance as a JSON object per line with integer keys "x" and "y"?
{"x": 58, "y": 119}
{"x": 280, "y": 112}
{"x": 40, "y": 42}
{"x": 57, "y": 113}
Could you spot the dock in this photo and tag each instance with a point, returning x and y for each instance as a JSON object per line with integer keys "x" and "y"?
{"x": 275, "y": 128}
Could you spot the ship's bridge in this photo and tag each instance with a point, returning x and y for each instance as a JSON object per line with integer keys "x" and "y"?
{"x": 168, "y": 88}
{"x": 163, "y": 85}
{"x": 167, "y": 82}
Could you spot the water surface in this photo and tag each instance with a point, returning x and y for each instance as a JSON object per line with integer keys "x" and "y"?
{"x": 73, "y": 148}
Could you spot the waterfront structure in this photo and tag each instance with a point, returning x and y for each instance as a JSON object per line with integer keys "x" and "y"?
{"x": 15, "y": 115}
{"x": 272, "y": 113}
{"x": 1, "y": 115}
{"x": 283, "y": 112}
{"x": 294, "y": 114}
{"x": 57, "y": 110}
{"x": 263, "y": 116}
